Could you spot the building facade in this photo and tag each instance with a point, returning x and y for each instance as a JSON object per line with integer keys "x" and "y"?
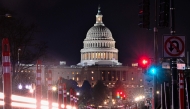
{"x": 99, "y": 61}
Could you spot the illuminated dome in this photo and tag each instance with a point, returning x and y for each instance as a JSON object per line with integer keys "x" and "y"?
{"x": 99, "y": 45}
{"x": 99, "y": 32}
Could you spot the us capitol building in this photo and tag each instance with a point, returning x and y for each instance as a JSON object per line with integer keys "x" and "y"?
{"x": 99, "y": 61}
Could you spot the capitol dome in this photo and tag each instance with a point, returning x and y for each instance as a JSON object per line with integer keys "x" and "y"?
{"x": 99, "y": 45}
{"x": 99, "y": 32}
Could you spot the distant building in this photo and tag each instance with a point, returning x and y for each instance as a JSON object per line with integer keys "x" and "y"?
{"x": 99, "y": 61}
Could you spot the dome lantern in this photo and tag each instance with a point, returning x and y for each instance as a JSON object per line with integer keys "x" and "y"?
{"x": 99, "y": 18}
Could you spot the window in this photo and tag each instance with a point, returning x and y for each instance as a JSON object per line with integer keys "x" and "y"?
{"x": 114, "y": 75}
{"x": 109, "y": 76}
{"x": 103, "y": 76}
{"x": 132, "y": 79}
{"x": 92, "y": 78}
{"x": 124, "y": 76}
{"x": 118, "y": 75}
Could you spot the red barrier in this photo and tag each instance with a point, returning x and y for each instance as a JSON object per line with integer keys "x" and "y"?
{"x": 50, "y": 89}
{"x": 71, "y": 97}
{"x": 74, "y": 98}
{"x": 38, "y": 85}
{"x": 64, "y": 95}
{"x": 181, "y": 90}
{"x": 60, "y": 93}
{"x": 6, "y": 64}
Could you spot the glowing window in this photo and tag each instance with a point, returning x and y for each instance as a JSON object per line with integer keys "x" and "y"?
{"x": 99, "y": 19}
{"x": 92, "y": 78}
{"x": 140, "y": 79}
{"x": 92, "y": 71}
{"x": 77, "y": 78}
{"x": 132, "y": 79}
{"x": 73, "y": 78}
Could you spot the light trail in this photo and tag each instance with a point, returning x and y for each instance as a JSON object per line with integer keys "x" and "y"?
{"x": 30, "y": 103}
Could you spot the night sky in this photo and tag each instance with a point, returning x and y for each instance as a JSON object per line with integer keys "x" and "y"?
{"x": 64, "y": 25}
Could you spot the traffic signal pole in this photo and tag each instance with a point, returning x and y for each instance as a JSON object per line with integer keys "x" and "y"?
{"x": 173, "y": 61}
{"x": 155, "y": 100}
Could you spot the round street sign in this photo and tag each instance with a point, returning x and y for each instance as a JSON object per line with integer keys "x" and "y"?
{"x": 174, "y": 46}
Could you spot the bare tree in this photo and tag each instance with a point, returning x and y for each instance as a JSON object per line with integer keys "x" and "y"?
{"x": 25, "y": 48}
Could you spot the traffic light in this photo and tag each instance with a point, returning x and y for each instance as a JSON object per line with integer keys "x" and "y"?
{"x": 118, "y": 94}
{"x": 153, "y": 70}
{"x": 164, "y": 13}
{"x": 124, "y": 97}
{"x": 144, "y": 14}
{"x": 144, "y": 62}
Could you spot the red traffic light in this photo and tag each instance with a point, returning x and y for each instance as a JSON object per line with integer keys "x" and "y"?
{"x": 144, "y": 62}
{"x": 120, "y": 93}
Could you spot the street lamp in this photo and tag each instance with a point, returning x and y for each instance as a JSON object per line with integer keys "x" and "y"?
{"x": 20, "y": 86}
{"x": 78, "y": 93}
{"x": 139, "y": 99}
{"x": 54, "y": 89}
{"x": 6, "y": 15}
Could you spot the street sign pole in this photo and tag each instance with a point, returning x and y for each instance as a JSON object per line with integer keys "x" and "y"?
{"x": 173, "y": 61}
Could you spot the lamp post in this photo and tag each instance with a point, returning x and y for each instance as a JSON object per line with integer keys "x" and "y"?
{"x": 54, "y": 90}
{"x": 18, "y": 55}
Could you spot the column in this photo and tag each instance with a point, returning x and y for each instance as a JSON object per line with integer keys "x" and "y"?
{"x": 85, "y": 56}
{"x": 120, "y": 75}
{"x": 96, "y": 55}
{"x": 88, "y": 56}
{"x": 117, "y": 56}
{"x": 104, "y": 54}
